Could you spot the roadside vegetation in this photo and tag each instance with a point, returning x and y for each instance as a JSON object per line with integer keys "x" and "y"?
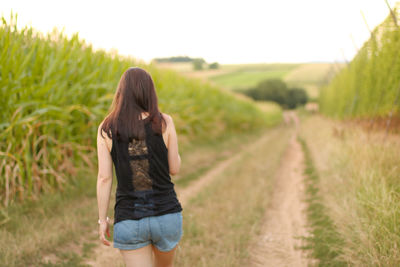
{"x": 359, "y": 191}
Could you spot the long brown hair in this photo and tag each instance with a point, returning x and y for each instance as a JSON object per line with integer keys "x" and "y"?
{"x": 135, "y": 94}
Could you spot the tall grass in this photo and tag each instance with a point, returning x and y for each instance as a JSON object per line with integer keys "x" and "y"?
{"x": 55, "y": 90}
{"x": 358, "y": 185}
{"x": 370, "y": 85}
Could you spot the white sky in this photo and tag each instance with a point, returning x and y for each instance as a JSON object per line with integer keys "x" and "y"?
{"x": 225, "y": 31}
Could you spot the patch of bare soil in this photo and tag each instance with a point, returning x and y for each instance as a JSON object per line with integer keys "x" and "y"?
{"x": 284, "y": 219}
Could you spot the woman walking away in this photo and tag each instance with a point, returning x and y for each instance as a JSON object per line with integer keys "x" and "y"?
{"x": 142, "y": 144}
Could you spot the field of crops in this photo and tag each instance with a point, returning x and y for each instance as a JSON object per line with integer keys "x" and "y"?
{"x": 248, "y": 75}
{"x": 56, "y": 90}
{"x": 370, "y": 85}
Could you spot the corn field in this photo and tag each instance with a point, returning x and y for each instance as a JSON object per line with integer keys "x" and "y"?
{"x": 370, "y": 85}
{"x": 54, "y": 92}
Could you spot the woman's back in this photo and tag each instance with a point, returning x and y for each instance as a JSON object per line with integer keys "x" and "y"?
{"x": 144, "y": 184}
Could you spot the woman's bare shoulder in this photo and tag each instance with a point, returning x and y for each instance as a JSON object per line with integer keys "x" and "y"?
{"x": 167, "y": 118}
{"x": 102, "y": 134}
{"x": 100, "y": 130}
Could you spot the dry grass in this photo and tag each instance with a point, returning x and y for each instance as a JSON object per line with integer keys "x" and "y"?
{"x": 51, "y": 228}
{"x": 312, "y": 72}
{"x": 359, "y": 176}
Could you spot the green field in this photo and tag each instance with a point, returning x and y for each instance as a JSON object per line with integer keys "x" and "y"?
{"x": 247, "y": 76}
{"x": 310, "y": 76}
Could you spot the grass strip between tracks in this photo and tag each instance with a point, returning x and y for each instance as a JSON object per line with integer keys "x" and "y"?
{"x": 324, "y": 241}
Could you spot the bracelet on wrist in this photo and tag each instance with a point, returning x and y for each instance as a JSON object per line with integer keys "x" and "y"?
{"x": 107, "y": 220}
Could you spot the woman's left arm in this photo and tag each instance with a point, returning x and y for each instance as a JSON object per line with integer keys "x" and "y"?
{"x": 104, "y": 184}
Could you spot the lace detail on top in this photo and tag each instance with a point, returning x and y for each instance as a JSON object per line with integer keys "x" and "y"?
{"x": 144, "y": 185}
{"x": 139, "y": 164}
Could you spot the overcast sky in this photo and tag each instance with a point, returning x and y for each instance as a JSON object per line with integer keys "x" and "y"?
{"x": 223, "y": 31}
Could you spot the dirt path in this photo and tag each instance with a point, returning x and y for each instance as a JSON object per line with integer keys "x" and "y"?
{"x": 284, "y": 219}
{"x": 110, "y": 256}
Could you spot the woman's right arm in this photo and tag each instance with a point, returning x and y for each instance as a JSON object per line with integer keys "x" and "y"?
{"x": 174, "y": 160}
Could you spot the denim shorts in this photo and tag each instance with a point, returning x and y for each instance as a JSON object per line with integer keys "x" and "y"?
{"x": 163, "y": 231}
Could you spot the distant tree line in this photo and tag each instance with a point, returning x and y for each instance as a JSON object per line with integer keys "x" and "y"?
{"x": 174, "y": 59}
{"x": 277, "y": 91}
{"x": 198, "y": 63}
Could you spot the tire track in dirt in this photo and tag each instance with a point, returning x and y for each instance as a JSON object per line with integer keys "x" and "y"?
{"x": 103, "y": 256}
{"x": 284, "y": 219}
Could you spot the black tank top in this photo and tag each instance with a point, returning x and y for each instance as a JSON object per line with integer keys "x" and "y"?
{"x": 144, "y": 185}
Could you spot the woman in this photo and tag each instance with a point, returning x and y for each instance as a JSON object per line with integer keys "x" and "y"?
{"x": 142, "y": 144}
